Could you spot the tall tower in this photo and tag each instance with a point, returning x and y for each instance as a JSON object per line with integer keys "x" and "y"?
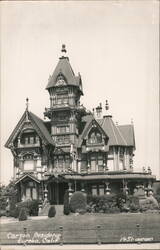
{"x": 65, "y": 90}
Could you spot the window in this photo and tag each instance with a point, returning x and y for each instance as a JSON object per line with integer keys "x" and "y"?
{"x": 93, "y": 163}
{"x": 98, "y": 189}
{"x": 26, "y": 140}
{"x": 94, "y": 137}
{"x": 101, "y": 189}
{"x": 67, "y": 162}
{"x": 62, "y": 99}
{"x": 31, "y": 140}
{"x": 62, "y": 129}
{"x": 60, "y": 162}
{"x": 63, "y": 139}
{"x": 94, "y": 190}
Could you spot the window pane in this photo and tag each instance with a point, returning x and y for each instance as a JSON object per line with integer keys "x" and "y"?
{"x": 93, "y": 166}
{"x": 101, "y": 190}
{"x": 31, "y": 140}
{"x": 94, "y": 190}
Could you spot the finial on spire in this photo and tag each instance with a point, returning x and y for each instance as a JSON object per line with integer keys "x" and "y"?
{"x": 106, "y": 105}
{"x": 63, "y": 50}
{"x": 132, "y": 121}
{"x": 27, "y": 103}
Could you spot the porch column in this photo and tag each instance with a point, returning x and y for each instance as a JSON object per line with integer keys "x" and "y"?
{"x": 70, "y": 191}
{"x": 105, "y": 163}
{"x": 107, "y": 189}
{"x": 45, "y": 192}
{"x": 88, "y": 163}
{"x": 117, "y": 163}
{"x": 125, "y": 187}
{"x": 150, "y": 189}
{"x": 82, "y": 187}
{"x": 114, "y": 159}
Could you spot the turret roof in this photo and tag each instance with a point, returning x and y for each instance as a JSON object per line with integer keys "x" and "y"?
{"x": 63, "y": 67}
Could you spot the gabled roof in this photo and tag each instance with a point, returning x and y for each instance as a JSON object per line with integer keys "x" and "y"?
{"x": 118, "y": 135}
{"x": 37, "y": 124}
{"x": 128, "y": 133}
{"x": 87, "y": 120}
{"x": 25, "y": 176}
{"x": 66, "y": 70}
{"x": 40, "y": 124}
{"x": 115, "y": 135}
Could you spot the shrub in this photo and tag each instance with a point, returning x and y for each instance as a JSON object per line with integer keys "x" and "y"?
{"x": 3, "y": 203}
{"x": 12, "y": 206}
{"x": 157, "y": 197}
{"x": 134, "y": 205}
{"x": 78, "y": 201}
{"x": 52, "y": 212}
{"x": 102, "y": 204}
{"x": 2, "y": 212}
{"x": 121, "y": 200}
{"x": 66, "y": 208}
{"x": 150, "y": 203}
{"x": 22, "y": 214}
{"x": 81, "y": 211}
{"x": 31, "y": 207}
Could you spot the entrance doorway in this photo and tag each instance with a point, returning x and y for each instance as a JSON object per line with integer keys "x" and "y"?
{"x": 56, "y": 191}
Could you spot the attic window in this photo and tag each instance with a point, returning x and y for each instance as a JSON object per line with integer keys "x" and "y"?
{"x": 60, "y": 80}
{"x": 94, "y": 136}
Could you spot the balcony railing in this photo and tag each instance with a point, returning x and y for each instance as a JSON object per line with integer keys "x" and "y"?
{"x": 28, "y": 145}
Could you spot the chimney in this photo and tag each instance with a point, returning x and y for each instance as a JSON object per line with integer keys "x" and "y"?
{"x": 99, "y": 111}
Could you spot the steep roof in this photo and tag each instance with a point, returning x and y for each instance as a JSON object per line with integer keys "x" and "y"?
{"x": 115, "y": 136}
{"x": 118, "y": 135}
{"x": 64, "y": 68}
{"x": 40, "y": 124}
{"x": 37, "y": 123}
{"x": 128, "y": 133}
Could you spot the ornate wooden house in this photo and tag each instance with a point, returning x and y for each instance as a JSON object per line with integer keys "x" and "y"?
{"x": 74, "y": 149}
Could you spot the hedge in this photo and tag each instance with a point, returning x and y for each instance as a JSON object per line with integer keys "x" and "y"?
{"x": 22, "y": 214}
{"x": 52, "y": 212}
{"x": 78, "y": 202}
{"x": 66, "y": 208}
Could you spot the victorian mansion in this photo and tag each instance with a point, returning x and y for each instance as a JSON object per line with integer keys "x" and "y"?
{"x": 74, "y": 148}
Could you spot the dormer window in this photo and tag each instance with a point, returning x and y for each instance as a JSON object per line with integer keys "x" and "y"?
{"x": 60, "y": 80}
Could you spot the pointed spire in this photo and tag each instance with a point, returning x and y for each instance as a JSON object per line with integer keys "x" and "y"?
{"x": 27, "y": 105}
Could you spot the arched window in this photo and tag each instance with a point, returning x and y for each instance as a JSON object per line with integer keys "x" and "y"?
{"x": 94, "y": 137}
{"x": 99, "y": 137}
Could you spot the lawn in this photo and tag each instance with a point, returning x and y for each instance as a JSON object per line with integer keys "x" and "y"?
{"x": 83, "y": 229}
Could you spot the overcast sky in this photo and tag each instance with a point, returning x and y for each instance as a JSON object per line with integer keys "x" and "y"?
{"x": 113, "y": 44}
